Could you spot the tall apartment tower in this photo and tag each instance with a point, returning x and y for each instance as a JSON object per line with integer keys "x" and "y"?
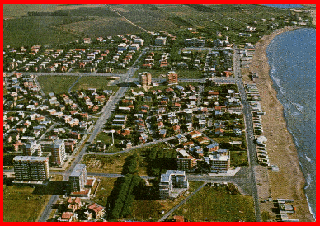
{"x": 31, "y": 168}
{"x": 78, "y": 178}
{"x": 58, "y": 153}
{"x": 32, "y": 149}
{"x": 145, "y": 79}
{"x": 172, "y": 78}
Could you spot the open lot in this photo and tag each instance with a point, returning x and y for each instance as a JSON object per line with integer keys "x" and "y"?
{"x": 217, "y": 205}
{"x": 151, "y": 209}
{"x": 56, "y": 83}
{"x": 104, "y": 190}
{"x": 94, "y": 82}
{"x": 15, "y": 201}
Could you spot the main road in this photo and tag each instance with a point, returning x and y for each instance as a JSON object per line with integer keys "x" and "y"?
{"x": 249, "y": 133}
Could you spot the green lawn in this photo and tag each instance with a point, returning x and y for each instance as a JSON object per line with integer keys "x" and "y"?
{"x": 20, "y": 205}
{"x": 94, "y": 82}
{"x": 214, "y": 205}
{"x": 56, "y": 83}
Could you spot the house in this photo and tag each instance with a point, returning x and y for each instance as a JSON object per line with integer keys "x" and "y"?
{"x": 195, "y": 134}
{"x": 74, "y": 203}
{"x": 96, "y": 210}
{"x": 67, "y": 217}
{"x": 212, "y": 147}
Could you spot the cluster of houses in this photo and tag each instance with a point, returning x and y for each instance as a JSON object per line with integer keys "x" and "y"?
{"x": 31, "y": 119}
{"x": 183, "y": 113}
{"x": 88, "y": 57}
{"x": 76, "y": 210}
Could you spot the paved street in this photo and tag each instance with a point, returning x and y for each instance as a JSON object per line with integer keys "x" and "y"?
{"x": 249, "y": 133}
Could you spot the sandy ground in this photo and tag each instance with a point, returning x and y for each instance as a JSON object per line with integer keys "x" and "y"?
{"x": 289, "y": 181}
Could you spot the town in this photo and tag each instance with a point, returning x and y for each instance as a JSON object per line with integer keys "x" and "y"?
{"x": 130, "y": 127}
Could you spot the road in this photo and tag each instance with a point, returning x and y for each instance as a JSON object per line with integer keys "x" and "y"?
{"x": 46, "y": 213}
{"x": 249, "y": 133}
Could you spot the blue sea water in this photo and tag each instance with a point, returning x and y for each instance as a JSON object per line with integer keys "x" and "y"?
{"x": 292, "y": 60}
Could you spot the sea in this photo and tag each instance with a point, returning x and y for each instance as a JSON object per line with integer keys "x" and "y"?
{"x": 292, "y": 60}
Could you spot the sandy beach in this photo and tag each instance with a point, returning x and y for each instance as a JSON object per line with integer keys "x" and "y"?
{"x": 289, "y": 182}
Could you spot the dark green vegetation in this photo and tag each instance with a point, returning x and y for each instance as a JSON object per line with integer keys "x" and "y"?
{"x": 126, "y": 189}
{"x": 56, "y": 83}
{"x": 220, "y": 204}
{"x": 160, "y": 160}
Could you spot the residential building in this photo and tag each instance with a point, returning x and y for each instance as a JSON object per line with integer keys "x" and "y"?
{"x": 195, "y": 42}
{"x": 31, "y": 169}
{"x": 172, "y": 78}
{"x": 145, "y": 78}
{"x": 160, "y": 41}
{"x": 32, "y": 149}
{"x": 185, "y": 161}
{"x": 78, "y": 178}
{"x": 172, "y": 183}
{"x": 219, "y": 161}
{"x": 58, "y": 154}
{"x": 96, "y": 210}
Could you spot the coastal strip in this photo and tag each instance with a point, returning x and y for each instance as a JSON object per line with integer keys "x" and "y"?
{"x": 289, "y": 182}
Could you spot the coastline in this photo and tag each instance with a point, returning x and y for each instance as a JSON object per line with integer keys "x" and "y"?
{"x": 289, "y": 182}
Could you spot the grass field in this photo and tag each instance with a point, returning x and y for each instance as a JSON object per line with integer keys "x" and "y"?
{"x": 217, "y": 206}
{"x": 104, "y": 190}
{"x": 151, "y": 209}
{"x": 97, "y": 82}
{"x": 20, "y": 205}
{"x": 56, "y": 83}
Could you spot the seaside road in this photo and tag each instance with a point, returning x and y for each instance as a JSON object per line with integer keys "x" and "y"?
{"x": 249, "y": 133}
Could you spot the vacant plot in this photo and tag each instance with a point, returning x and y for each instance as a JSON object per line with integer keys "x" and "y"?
{"x": 20, "y": 205}
{"x": 56, "y": 83}
{"x": 97, "y": 82}
{"x": 151, "y": 209}
{"x": 217, "y": 205}
{"x": 238, "y": 158}
{"x": 104, "y": 190}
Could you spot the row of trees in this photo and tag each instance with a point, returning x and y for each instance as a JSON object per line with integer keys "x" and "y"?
{"x": 126, "y": 189}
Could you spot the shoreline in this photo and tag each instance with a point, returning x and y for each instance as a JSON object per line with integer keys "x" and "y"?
{"x": 289, "y": 182}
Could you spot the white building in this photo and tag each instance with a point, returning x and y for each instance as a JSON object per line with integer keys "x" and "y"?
{"x": 172, "y": 184}
{"x": 219, "y": 162}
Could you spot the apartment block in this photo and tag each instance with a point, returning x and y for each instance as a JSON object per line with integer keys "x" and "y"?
{"x": 32, "y": 149}
{"x": 172, "y": 183}
{"x": 29, "y": 169}
{"x": 172, "y": 78}
{"x": 78, "y": 178}
{"x": 219, "y": 161}
{"x": 145, "y": 79}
